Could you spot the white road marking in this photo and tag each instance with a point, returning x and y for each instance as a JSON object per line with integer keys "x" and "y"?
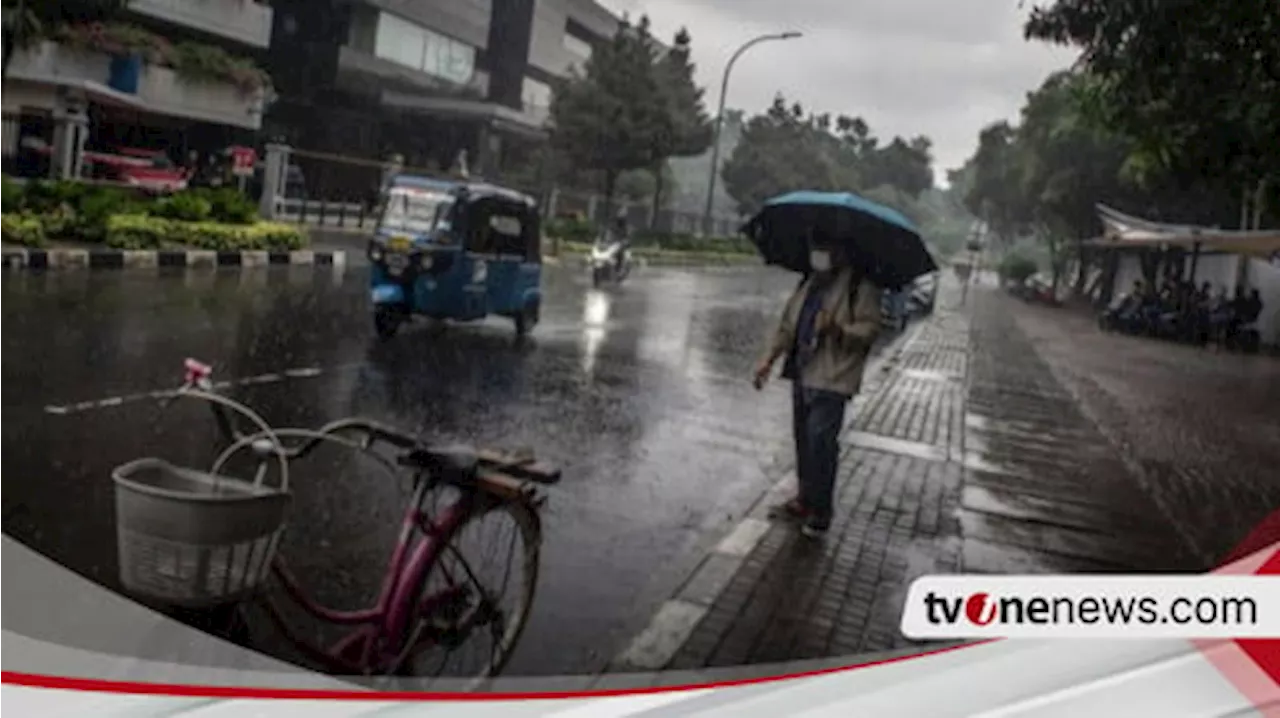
{"x": 744, "y": 537}
{"x": 665, "y": 634}
{"x": 114, "y": 401}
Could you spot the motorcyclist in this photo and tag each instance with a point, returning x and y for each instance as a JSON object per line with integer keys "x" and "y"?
{"x": 621, "y": 235}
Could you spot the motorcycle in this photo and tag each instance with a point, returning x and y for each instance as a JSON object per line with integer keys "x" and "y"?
{"x": 609, "y": 261}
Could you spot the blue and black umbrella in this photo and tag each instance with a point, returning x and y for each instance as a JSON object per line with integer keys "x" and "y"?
{"x": 886, "y": 244}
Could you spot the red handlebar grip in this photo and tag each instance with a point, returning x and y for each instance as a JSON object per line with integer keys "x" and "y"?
{"x": 197, "y": 370}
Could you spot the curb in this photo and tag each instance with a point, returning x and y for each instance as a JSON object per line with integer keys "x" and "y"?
{"x": 42, "y": 259}
{"x": 675, "y": 620}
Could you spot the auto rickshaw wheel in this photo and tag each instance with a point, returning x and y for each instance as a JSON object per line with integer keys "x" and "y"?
{"x": 386, "y": 321}
{"x": 526, "y": 319}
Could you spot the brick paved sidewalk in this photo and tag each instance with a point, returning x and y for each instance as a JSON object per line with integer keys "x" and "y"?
{"x": 967, "y": 456}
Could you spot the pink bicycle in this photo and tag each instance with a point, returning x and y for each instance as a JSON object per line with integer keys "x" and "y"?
{"x": 204, "y": 539}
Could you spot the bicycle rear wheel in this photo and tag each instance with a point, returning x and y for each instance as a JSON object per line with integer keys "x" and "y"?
{"x": 478, "y": 610}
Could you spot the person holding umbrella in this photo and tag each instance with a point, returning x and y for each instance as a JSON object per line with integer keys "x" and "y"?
{"x": 849, "y": 251}
{"x": 826, "y": 332}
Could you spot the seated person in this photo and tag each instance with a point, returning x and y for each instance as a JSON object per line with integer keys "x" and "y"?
{"x": 1251, "y": 308}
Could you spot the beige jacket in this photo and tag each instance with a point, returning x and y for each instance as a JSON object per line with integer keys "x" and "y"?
{"x": 842, "y": 352}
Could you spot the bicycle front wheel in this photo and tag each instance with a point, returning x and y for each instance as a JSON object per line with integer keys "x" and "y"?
{"x": 474, "y": 601}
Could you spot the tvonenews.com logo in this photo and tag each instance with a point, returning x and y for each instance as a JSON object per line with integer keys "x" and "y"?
{"x": 984, "y": 609}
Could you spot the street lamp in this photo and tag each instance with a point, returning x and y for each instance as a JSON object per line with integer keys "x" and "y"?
{"x": 715, "y": 140}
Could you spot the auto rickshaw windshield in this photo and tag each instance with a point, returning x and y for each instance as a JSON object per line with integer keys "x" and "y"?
{"x": 416, "y": 212}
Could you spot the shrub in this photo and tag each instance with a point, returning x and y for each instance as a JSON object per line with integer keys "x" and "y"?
{"x": 133, "y": 231}
{"x": 185, "y": 206}
{"x": 12, "y": 199}
{"x": 117, "y": 39}
{"x": 23, "y": 229}
{"x": 571, "y": 229}
{"x": 60, "y": 222}
{"x": 43, "y": 196}
{"x": 228, "y": 205}
{"x": 682, "y": 242}
{"x": 279, "y": 237}
{"x": 1017, "y": 268}
{"x": 98, "y": 204}
{"x": 209, "y": 62}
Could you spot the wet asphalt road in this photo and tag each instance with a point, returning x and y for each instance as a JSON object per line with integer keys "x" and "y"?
{"x": 640, "y": 393}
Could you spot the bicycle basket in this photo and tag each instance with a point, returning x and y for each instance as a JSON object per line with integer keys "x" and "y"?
{"x": 194, "y": 539}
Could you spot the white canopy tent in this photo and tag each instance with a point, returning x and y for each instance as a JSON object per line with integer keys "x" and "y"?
{"x": 1122, "y": 231}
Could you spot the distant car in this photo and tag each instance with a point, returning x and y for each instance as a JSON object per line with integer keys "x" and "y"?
{"x": 149, "y": 169}
{"x": 894, "y": 309}
{"x": 923, "y": 294}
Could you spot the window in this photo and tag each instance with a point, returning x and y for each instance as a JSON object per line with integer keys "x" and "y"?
{"x": 399, "y": 41}
{"x": 416, "y": 211}
{"x": 414, "y": 46}
{"x": 535, "y": 95}
{"x": 499, "y": 228}
{"x": 577, "y": 47}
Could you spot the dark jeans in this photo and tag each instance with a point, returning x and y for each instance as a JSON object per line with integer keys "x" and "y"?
{"x": 817, "y": 416}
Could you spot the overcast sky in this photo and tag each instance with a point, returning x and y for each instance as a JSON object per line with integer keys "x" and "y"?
{"x": 942, "y": 68}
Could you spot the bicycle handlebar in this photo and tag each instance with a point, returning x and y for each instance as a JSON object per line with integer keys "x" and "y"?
{"x": 198, "y": 378}
{"x": 198, "y": 383}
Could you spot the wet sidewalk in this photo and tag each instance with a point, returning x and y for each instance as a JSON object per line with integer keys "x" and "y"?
{"x": 968, "y": 456}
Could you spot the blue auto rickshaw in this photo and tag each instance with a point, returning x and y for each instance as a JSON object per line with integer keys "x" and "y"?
{"x": 455, "y": 250}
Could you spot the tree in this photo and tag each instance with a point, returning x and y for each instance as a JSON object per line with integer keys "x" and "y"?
{"x": 994, "y": 192}
{"x": 906, "y": 166}
{"x": 784, "y": 150}
{"x": 686, "y": 131}
{"x": 28, "y": 21}
{"x": 690, "y": 175}
{"x": 608, "y": 119}
{"x": 1193, "y": 84}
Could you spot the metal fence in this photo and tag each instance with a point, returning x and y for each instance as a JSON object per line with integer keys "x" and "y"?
{"x": 334, "y": 191}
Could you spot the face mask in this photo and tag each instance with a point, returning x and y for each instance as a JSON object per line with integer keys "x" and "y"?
{"x": 820, "y": 260}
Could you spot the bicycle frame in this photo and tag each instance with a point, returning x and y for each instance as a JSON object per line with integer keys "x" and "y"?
{"x": 376, "y": 642}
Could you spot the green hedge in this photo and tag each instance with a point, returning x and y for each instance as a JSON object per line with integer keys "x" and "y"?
{"x": 570, "y": 229}
{"x": 681, "y": 242}
{"x": 1017, "y": 267}
{"x": 579, "y": 231}
{"x": 22, "y": 228}
{"x": 218, "y": 219}
{"x": 134, "y": 231}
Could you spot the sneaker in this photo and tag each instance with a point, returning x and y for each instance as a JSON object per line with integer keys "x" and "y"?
{"x": 790, "y": 510}
{"x": 814, "y": 528}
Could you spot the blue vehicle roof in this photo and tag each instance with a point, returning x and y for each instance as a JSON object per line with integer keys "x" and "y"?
{"x": 848, "y": 200}
{"x": 470, "y": 188}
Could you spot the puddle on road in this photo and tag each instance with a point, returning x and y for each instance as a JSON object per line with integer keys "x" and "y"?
{"x": 986, "y": 557}
{"x": 1020, "y": 506}
{"x": 1061, "y": 541}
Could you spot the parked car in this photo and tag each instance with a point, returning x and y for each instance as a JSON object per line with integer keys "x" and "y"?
{"x": 923, "y": 294}
{"x": 894, "y": 311}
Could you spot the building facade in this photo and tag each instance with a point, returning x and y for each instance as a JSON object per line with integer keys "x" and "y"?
{"x": 72, "y": 90}
{"x": 428, "y": 80}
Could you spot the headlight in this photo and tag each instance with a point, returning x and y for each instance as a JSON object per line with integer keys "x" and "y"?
{"x": 479, "y": 273}
{"x": 426, "y": 261}
{"x": 375, "y": 253}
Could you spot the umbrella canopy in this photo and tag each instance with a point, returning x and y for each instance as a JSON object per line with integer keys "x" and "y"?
{"x": 886, "y": 244}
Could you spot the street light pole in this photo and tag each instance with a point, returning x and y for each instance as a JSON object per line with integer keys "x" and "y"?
{"x": 715, "y": 139}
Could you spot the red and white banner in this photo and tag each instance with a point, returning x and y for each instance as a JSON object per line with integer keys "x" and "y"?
{"x": 129, "y": 661}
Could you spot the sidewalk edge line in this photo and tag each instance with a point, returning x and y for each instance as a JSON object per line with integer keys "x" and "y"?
{"x": 656, "y": 645}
